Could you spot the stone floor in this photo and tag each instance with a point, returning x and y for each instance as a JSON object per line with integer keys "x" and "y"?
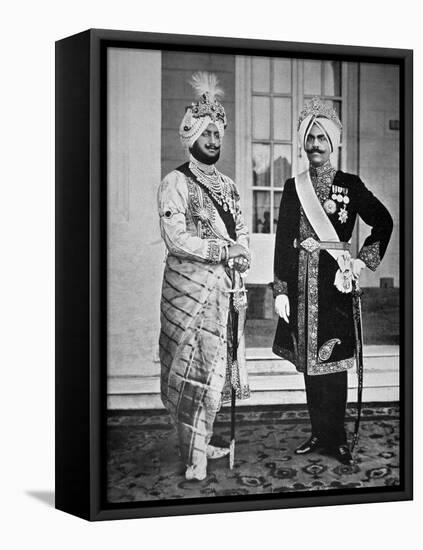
{"x": 143, "y": 461}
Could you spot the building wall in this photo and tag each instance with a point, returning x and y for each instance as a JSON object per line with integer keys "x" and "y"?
{"x": 135, "y": 248}
{"x": 177, "y": 94}
{"x": 379, "y": 155}
{"x": 148, "y": 93}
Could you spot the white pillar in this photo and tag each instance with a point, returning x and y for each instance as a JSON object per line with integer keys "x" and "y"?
{"x": 135, "y": 249}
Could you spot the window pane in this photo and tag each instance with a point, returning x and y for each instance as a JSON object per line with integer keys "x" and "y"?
{"x": 261, "y": 164}
{"x": 261, "y": 74}
{"x": 282, "y": 76}
{"x": 312, "y": 78}
{"x": 261, "y": 211}
{"x": 281, "y": 164}
{"x": 282, "y": 118}
{"x": 261, "y": 118}
{"x": 277, "y": 201}
{"x": 332, "y": 78}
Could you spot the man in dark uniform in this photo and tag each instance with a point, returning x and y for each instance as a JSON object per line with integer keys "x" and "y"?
{"x": 314, "y": 273}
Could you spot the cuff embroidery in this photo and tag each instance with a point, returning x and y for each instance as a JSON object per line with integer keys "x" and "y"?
{"x": 370, "y": 254}
{"x": 214, "y": 252}
{"x": 279, "y": 287}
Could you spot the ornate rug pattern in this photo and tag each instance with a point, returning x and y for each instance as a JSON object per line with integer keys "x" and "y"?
{"x": 143, "y": 461}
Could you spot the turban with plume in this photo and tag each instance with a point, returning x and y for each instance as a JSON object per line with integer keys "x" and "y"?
{"x": 206, "y": 110}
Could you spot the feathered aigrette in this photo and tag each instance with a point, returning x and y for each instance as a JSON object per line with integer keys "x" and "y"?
{"x": 207, "y": 84}
{"x": 204, "y": 110}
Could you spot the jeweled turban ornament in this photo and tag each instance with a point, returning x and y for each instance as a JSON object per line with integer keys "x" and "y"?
{"x": 325, "y": 117}
{"x": 206, "y": 110}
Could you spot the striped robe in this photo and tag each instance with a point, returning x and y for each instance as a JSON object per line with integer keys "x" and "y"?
{"x": 194, "y": 343}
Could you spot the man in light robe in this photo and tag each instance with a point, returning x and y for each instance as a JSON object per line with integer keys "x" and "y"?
{"x": 204, "y": 232}
{"x": 314, "y": 272}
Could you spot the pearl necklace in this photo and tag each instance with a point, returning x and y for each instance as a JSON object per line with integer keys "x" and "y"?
{"x": 213, "y": 181}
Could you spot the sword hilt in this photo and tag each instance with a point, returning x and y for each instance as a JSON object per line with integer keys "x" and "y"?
{"x": 237, "y": 289}
{"x": 356, "y": 290}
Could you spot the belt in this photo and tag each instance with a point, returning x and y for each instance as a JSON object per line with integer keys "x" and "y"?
{"x": 311, "y": 245}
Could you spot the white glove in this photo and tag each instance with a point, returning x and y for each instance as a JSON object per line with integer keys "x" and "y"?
{"x": 356, "y": 267}
{"x": 282, "y": 307}
{"x": 349, "y": 271}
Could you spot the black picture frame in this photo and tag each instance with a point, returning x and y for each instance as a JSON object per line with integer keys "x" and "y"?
{"x": 81, "y": 274}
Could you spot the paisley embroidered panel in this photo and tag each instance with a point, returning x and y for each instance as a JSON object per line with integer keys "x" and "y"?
{"x": 308, "y": 312}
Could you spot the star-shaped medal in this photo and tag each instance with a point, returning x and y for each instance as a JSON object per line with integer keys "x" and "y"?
{"x": 343, "y": 215}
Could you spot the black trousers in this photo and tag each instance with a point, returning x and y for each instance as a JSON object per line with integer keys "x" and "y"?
{"x": 327, "y": 400}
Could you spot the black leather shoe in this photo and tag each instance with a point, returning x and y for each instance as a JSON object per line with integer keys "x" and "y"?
{"x": 342, "y": 453}
{"x": 308, "y": 446}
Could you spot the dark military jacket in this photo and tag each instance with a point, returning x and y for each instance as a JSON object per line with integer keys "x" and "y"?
{"x": 319, "y": 338}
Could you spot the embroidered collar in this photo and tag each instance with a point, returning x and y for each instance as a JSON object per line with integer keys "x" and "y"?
{"x": 319, "y": 171}
{"x": 322, "y": 178}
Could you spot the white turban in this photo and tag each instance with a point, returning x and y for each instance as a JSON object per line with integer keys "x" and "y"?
{"x": 325, "y": 117}
{"x": 191, "y": 128}
{"x": 208, "y": 110}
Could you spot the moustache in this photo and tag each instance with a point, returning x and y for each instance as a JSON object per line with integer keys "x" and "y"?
{"x": 315, "y": 150}
{"x": 212, "y": 148}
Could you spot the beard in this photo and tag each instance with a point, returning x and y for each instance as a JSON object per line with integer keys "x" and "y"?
{"x": 198, "y": 154}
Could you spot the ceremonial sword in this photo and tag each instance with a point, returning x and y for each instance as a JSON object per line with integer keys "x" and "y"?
{"x": 358, "y": 332}
{"x": 234, "y": 322}
{"x": 234, "y": 308}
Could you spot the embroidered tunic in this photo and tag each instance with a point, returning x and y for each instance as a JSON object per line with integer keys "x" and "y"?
{"x": 319, "y": 338}
{"x": 195, "y": 344}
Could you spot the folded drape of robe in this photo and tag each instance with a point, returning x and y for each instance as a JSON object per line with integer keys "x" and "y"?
{"x": 194, "y": 344}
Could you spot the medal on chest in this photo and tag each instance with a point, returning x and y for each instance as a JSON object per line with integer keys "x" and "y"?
{"x": 330, "y": 206}
{"x": 339, "y": 196}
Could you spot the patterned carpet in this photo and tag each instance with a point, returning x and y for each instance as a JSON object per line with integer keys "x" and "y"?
{"x": 143, "y": 461}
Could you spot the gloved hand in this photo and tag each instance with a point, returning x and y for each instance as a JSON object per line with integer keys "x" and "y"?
{"x": 356, "y": 267}
{"x": 282, "y": 307}
{"x": 349, "y": 271}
